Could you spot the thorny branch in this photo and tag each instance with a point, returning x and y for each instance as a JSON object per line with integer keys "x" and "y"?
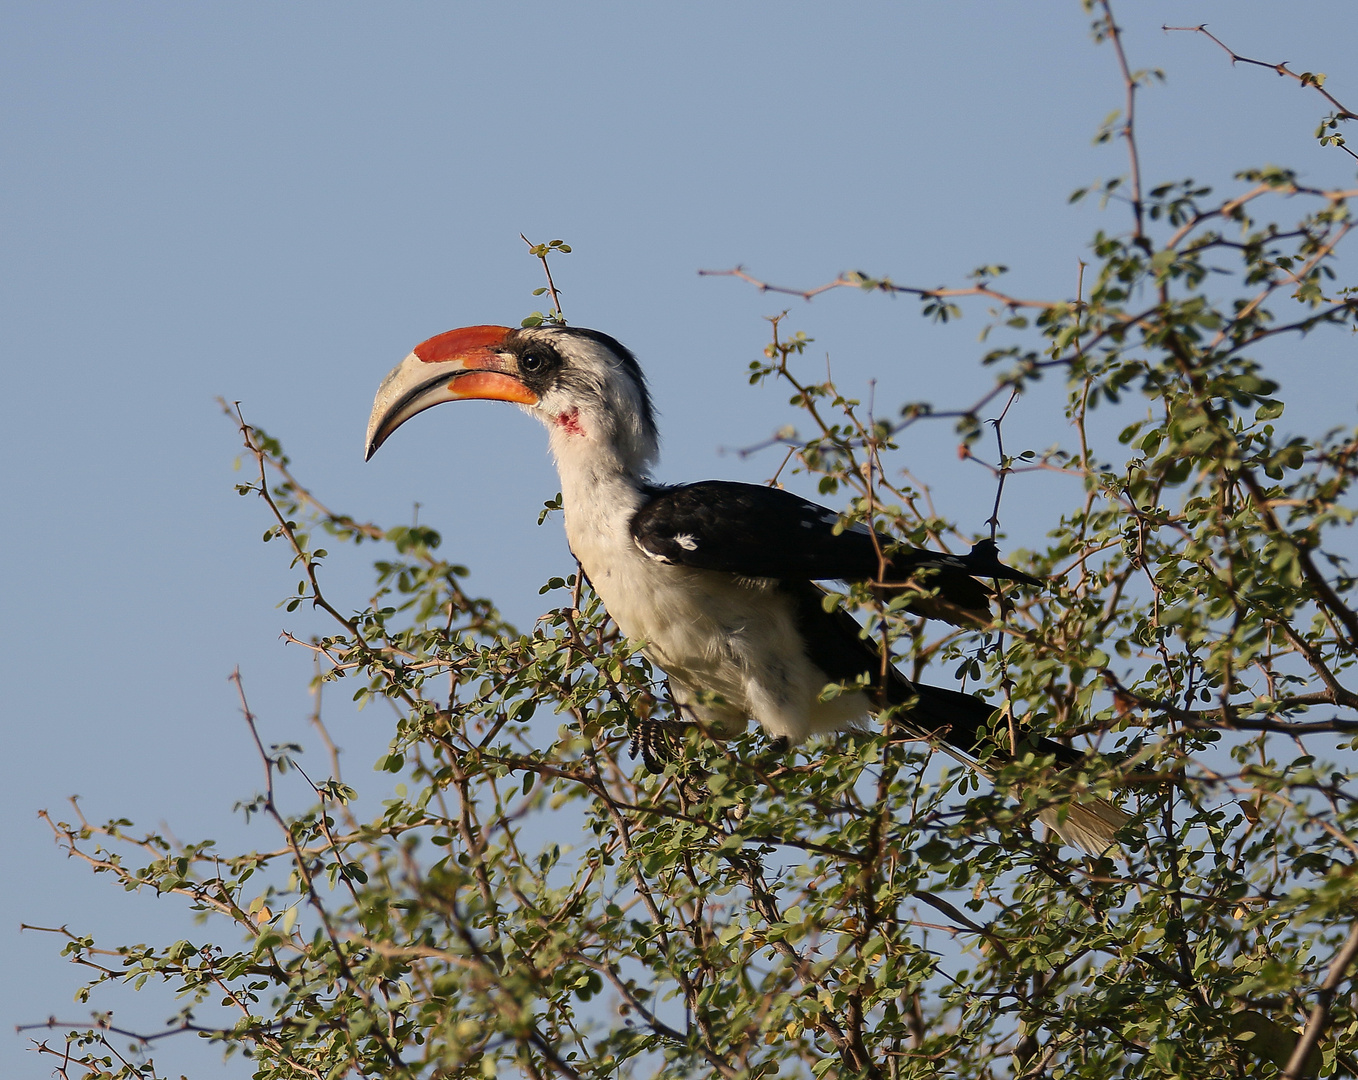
{"x": 1306, "y": 78}
{"x": 1128, "y": 129}
{"x": 865, "y": 283}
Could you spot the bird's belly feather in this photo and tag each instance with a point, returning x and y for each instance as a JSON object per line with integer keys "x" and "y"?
{"x": 730, "y": 646}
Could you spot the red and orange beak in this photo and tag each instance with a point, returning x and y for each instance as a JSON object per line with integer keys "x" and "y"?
{"x": 466, "y": 363}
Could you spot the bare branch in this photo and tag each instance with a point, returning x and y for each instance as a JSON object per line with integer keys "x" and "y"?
{"x": 866, "y": 284}
{"x": 1128, "y": 131}
{"x": 1314, "y": 81}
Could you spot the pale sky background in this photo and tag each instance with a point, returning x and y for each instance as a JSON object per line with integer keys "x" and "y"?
{"x": 275, "y": 201}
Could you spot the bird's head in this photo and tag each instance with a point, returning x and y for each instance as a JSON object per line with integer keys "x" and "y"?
{"x": 583, "y": 385}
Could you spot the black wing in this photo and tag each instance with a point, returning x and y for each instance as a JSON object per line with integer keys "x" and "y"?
{"x": 752, "y": 531}
{"x": 762, "y": 532}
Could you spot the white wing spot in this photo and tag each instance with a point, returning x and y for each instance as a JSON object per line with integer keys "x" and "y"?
{"x": 654, "y": 556}
{"x": 686, "y": 542}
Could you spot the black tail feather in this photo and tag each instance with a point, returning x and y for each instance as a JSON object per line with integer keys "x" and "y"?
{"x": 964, "y": 721}
{"x": 954, "y": 577}
{"x": 983, "y": 560}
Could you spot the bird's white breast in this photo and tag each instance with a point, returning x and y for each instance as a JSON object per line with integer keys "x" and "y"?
{"x": 730, "y": 646}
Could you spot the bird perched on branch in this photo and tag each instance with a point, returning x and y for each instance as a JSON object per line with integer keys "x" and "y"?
{"x": 717, "y": 578}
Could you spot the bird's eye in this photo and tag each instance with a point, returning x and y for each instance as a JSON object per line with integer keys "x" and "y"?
{"x": 535, "y": 361}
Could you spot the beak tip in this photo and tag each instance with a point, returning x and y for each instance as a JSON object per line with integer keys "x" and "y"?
{"x": 375, "y": 436}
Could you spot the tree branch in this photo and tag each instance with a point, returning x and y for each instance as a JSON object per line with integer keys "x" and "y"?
{"x": 1320, "y": 1013}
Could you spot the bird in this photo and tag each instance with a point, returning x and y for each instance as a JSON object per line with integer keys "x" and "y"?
{"x": 717, "y": 579}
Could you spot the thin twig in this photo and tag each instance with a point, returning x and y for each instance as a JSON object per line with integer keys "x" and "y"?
{"x": 1004, "y": 469}
{"x": 540, "y": 250}
{"x": 1129, "y": 124}
{"x": 867, "y": 284}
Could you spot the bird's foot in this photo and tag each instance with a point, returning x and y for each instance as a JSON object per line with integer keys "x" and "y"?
{"x": 651, "y": 742}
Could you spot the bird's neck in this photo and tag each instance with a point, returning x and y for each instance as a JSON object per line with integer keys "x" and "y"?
{"x": 603, "y": 485}
{"x": 596, "y": 452}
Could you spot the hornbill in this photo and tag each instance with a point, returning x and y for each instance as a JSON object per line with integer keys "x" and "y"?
{"x": 717, "y": 578}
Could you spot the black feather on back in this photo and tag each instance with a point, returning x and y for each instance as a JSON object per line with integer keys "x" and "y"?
{"x": 763, "y": 532}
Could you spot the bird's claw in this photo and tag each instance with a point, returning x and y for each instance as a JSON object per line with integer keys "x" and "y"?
{"x": 651, "y": 742}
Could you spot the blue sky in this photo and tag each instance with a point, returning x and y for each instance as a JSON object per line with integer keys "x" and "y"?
{"x": 274, "y": 202}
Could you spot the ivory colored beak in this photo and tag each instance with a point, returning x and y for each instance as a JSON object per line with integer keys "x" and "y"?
{"x": 465, "y": 363}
